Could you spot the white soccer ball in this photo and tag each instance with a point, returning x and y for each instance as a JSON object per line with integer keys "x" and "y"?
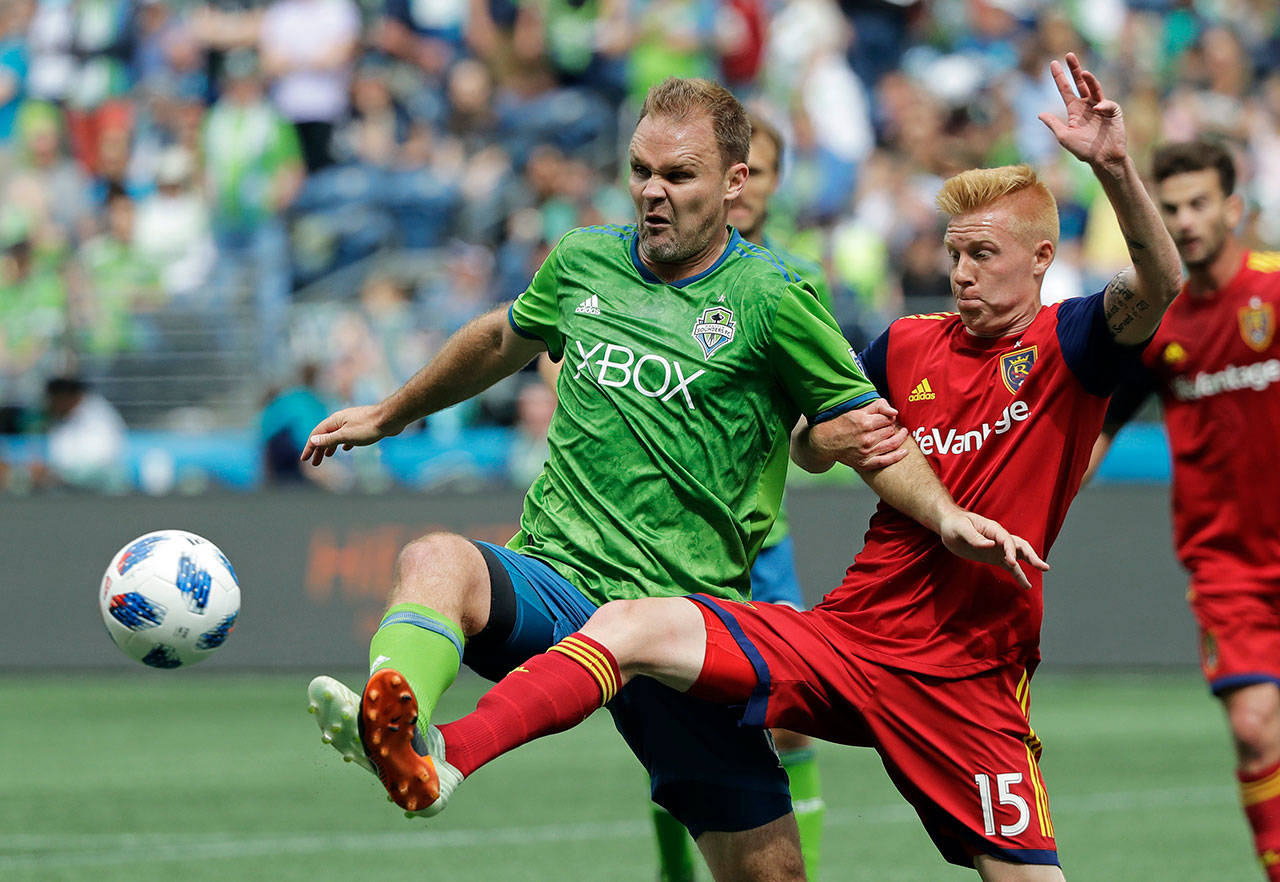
{"x": 169, "y": 598}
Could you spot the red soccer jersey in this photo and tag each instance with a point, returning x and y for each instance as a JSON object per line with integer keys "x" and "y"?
{"x": 1008, "y": 425}
{"x": 1216, "y": 362}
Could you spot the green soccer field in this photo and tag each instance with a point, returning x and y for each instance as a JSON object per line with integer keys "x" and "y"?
{"x": 199, "y": 775}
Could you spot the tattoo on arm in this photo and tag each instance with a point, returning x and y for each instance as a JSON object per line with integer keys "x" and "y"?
{"x": 1123, "y": 304}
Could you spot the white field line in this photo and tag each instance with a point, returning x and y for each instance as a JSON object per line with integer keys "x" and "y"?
{"x": 35, "y": 850}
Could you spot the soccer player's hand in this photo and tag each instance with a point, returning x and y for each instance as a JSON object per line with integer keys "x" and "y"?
{"x": 351, "y": 427}
{"x": 1094, "y": 129}
{"x": 865, "y": 439}
{"x": 974, "y": 537}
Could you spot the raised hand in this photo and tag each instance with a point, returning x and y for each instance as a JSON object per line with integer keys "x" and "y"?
{"x": 974, "y": 537}
{"x": 1094, "y": 128}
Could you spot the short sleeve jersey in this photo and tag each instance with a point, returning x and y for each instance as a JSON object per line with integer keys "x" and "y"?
{"x": 668, "y": 449}
{"x": 1216, "y": 363}
{"x": 1008, "y": 424}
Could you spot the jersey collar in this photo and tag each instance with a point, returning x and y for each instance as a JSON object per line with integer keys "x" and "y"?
{"x": 734, "y": 240}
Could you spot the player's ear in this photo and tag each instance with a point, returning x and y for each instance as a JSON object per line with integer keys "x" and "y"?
{"x": 735, "y": 177}
{"x": 1233, "y": 210}
{"x": 1042, "y": 257}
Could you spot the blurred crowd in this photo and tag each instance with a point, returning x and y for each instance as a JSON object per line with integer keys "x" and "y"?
{"x": 241, "y": 173}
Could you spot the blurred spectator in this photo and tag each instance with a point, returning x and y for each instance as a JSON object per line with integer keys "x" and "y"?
{"x": 379, "y": 131}
{"x": 33, "y": 323}
{"x": 173, "y": 229}
{"x": 429, "y": 34}
{"x": 368, "y": 349}
{"x": 253, "y": 170}
{"x": 103, "y": 35}
{"x": 86, "y": 439}
{"x": 880, "y": 35}
{"x": 285, "y": 424}
{"x": 48, "y": 194}
{"x": 535, "y": 405}
{"x": 13, "y": 68}
{"x": 669, "y": 38}
{"x": 116, "y": 285}
{"x": 307, "y": 49}
{"x": 52, "y": 65}
{"x": 807, "y": 69}
{"x": 168, "y": 50}
{"x": 114, "y": 170}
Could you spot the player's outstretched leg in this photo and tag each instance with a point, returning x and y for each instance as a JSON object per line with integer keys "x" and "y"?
{"x": 410, "y": 763}
{"x": 560, "y": 688}
{"x": 440, "y": 596}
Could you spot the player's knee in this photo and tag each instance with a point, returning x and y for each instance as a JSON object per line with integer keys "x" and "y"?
{"x": 628, "y": 628}
{"x": 440, "y": 569}
{"x": 1255, "y": 726}
{"x": 428, "y": 554}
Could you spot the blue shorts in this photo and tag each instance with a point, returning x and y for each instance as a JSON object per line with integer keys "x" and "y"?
{"x": 705, "y": 768}
{"x": 774, "y": 578}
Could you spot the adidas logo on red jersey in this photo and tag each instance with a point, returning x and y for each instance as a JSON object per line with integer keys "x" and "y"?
{"x": 922, "y": 392}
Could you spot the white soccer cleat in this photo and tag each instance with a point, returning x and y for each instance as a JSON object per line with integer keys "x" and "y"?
{"x": 449, "y": 777}
{"x": 337, "y": 711}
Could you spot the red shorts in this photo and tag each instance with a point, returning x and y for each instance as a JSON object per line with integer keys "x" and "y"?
{"x": 1239, "y": 634}
{"x": 961, "y": 751}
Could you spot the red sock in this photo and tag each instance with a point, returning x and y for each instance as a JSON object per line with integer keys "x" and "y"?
{"x": 547, "y": 694}
{"x": 1260, "y": 793}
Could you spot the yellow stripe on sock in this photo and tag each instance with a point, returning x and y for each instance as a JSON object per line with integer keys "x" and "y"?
{"x": 588, "y": 658}
{"x": 595, "y": 663}
{"x": 1260, "y": 791}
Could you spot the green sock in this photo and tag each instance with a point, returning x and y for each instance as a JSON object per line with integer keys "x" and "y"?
{"x": 806, "y": 800}
{"x": 422, "y": 645}
{"x": 675, "y": 847}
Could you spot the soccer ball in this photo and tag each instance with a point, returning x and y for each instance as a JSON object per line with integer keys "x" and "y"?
{"x": 169, "y": 598}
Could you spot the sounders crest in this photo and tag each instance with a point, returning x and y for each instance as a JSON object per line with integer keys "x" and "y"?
{"x": 714, "y": 329}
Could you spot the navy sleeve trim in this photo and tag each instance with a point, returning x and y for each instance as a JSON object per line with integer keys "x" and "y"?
{"x": 852, "y": 404}
{"x": 874, "y": 361}
{"x": 1090, "y": 350}
{"x": 529, "y": 335}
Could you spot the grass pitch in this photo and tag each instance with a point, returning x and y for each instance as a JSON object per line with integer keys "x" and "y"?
{"x": 193, "y": 776}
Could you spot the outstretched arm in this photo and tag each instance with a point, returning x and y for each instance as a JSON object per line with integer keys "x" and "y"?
{"x": 480, "y": 354}
{"x": 866, "y": 438}
{"x": 1093, "y": 132}
{"x": 910, "y": 485}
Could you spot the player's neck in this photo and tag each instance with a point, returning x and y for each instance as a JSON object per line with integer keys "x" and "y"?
{"x": 674, "y": 272}
{"x": 1215, "y": 275}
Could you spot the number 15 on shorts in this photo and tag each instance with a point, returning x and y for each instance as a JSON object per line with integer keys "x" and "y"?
{"x": 1005, "y": 796}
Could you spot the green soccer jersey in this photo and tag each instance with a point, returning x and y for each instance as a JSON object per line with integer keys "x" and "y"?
{"x": 668, "y": 449}
{"x": 812, "y": 273}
